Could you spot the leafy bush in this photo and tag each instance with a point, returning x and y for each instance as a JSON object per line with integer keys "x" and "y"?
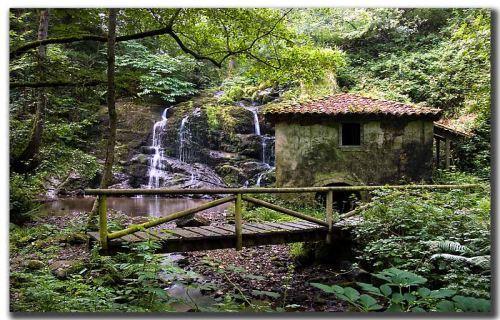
{"x": 398, "y": 227}
{"x": 402, "y": 291}
{"x": 22, "y": 196}
{"x": 158, "y": 74}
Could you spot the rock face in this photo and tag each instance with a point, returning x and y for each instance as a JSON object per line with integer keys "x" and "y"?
{"x": 204, "y": 144}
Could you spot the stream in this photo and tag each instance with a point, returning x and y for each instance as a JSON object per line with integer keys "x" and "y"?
{"x": 133, "y": 207}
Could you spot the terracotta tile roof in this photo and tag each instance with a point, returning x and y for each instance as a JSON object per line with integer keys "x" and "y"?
{"x": 347, "y": 104}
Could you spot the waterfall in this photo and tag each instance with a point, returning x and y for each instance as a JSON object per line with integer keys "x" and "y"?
{"x": 256, "y": 123}
{"x": 259, "y": 178}
{"x": 156, "y": 165}
{"x": 263, "y": 139}
{"x": 184, "y": 136}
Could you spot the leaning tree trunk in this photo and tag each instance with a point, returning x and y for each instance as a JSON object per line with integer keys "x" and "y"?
{"x": 107, "y": 174}
{"x": 28, "y": 158}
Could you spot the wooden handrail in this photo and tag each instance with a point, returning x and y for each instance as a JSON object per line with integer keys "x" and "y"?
{"x": 238, "y": 195}
{"x": 130, "y": 192}
{"x": 285, "y": 210}
{"x": 176, "y": 215}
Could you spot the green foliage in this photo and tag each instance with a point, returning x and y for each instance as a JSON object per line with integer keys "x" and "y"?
{"x": 155, "y": 74}
{"x": 402, "y": 291}
{"x": 304, "y": 65}
{"x": 22, "y": 196}
{"x": 407, "y": 230}
{"x": 474, "y": 154}
{"x": 236, "y": 88}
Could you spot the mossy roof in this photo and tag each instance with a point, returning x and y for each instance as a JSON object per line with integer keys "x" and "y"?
{"x": 349, "y": 105}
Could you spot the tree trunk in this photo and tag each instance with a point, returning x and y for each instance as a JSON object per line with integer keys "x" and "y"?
{"x": 29, "y": 156}
{"x": 107, "y": 174}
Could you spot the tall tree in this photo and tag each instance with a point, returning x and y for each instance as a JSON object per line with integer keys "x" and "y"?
{"x": 107, "y": 174}
{"x": 28, "y": 157}
{"x": 110, "y": 147}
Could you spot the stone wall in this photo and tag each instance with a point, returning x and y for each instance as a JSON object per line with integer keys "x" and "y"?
{"x": 391, "y": 152}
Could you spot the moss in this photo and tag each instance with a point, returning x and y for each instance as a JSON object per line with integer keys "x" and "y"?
{"x": 212, "y": 118}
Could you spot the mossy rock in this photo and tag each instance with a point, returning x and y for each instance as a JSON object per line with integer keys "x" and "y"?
{"x": 64, "y": 268}
{"x": 34, "y": 264}
{"x": 231, "y": 175}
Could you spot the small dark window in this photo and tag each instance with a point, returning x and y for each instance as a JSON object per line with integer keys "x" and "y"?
{"x": 351, "y": 134}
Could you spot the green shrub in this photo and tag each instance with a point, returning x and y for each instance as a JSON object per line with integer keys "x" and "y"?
{"x": 21, "y": 198}
{"x": 403, "y": 291}
{"x": 397, "y": 229}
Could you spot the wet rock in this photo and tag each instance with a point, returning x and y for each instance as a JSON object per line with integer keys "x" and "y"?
{"x": 267, "y": 177}
{"x": 250, "y": 146}
{"x": 138, "y": 174}
{"x": 140, "y": 158}
{"x": 252, "y": 168}
{"x": 232, "y": 175}
{"x": 192, "y": 221}
{"x": 34, "y": 264}
{"x": 243, "y": 119}
{"x": 217, "y": 157}
{"x": 147, "y": 150}
{"x": 120, "y": 181}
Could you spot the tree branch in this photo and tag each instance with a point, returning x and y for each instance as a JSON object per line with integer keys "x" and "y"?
{"x": 196, "y": 55}
{"x": 53, "y": 84}
{"x": 166, "y": 30}
{"x": 34, "y": 44}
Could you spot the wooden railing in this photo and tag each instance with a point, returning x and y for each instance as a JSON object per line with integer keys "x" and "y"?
{"x": 238, "y": 195}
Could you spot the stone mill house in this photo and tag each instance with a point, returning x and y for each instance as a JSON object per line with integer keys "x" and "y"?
{"x": 348, "y": 139}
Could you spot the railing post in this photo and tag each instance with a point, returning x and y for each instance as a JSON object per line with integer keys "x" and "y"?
{"x": 329, "y": 215}
{"x": 447, "y": 144}
{"x": 238, "y": 223}
{"x": 103, "y": 222}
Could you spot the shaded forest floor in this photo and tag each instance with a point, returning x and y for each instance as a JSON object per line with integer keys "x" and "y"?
{"x": 266, "y": 275}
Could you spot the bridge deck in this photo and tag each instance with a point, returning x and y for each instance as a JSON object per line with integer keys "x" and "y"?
{"x": 223, "y": 236}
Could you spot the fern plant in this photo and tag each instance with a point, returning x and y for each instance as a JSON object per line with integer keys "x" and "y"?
{"x": 455, "y": 252}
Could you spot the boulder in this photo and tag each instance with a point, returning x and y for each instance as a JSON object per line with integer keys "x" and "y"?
{"x": 250, "y": 145}
{"x": 232, "y": 175}
{"x": 63, "y": 268}
{"x": 195, "y": 220}
{"x": 34, "y": 264}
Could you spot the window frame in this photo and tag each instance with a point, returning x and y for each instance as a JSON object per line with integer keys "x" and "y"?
{"x": 351, "y": 146}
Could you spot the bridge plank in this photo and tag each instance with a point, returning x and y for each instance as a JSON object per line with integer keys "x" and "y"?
{"x": 308, "y": 223}
{"x": 203, "y": 232}
{"x": 223, "y": 236}
{"x": 300, "y": 226}
{"x": 146, "y": 236}
{"x": 184, "y": 233}
{"x": 264, "y": 227}
{"x": 281, "y": 226}
{"x": 251, "y": 229}
{"x": 130, "y": 238}
{"x": 218, "y": 230}
{"x": 166, "y": 234}
{"x": 227, "y": 227}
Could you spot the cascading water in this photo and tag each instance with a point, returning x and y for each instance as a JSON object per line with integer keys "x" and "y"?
{"x": 184, "y": 136}
{"x": 156, "y": 165}
{"x": 256, "y": 123}
{"x": 266, "y": 145}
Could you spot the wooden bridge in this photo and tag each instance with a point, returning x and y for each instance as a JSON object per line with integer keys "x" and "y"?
{"x": 239, "y": 234}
